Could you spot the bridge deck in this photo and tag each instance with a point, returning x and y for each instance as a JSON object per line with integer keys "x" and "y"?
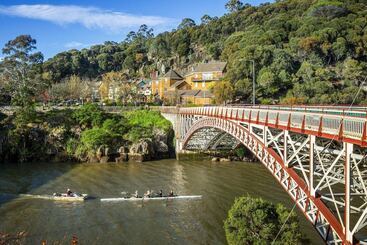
{"x": 339, "y": 123}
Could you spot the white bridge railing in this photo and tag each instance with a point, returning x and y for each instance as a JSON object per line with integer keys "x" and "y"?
{"x": 334, "y": 124}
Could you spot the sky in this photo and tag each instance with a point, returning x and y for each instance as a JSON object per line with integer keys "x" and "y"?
{"x": 66, "y": 24}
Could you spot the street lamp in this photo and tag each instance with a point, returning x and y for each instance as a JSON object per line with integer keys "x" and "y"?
{"x": 253, "y": 81}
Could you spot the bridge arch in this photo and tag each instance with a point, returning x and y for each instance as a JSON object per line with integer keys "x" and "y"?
{"x": 317, "y": 154}
{"x": 312, "y": 207}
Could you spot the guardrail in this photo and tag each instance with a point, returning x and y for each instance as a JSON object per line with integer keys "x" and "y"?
{"x": 337, "y": 127}
{"x": 355, "y": 111}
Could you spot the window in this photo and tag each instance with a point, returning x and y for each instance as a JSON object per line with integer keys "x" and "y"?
{"x": 207, "y": 76}
{"x": 196, "y": 85}
{"x": 203, "y": 84}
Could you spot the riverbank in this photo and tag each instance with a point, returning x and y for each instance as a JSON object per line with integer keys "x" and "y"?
{"x": 87, "y": 134}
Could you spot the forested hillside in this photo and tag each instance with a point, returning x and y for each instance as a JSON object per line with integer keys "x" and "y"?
{"x": 305, "y": 51}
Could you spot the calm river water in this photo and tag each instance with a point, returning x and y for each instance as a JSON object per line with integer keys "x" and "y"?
{"x": 154, "y": 222}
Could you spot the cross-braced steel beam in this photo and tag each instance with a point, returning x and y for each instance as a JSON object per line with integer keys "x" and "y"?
{"x": 319, "y": 159}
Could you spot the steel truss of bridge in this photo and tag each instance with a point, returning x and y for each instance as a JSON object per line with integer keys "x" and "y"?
{"x": 318, "y": 155}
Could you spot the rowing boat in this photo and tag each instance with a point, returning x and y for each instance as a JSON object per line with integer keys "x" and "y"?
{"x": 119, "y": 199}
{"x": 62, "y": 197}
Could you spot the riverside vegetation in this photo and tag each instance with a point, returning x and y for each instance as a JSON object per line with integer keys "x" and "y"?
{"x": 87, "y": 134}
{"x": 257, "y": 221}
{"x": 304, "y": 51}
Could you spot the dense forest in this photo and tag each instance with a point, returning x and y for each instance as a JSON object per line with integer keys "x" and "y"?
{"x": 304, "y": 51}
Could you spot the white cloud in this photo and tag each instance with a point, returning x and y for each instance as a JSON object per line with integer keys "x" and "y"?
{"x": 75, "y": 44}
{"x": 90, "y": 17}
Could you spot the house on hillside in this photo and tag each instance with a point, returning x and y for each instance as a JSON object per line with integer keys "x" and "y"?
{"x": 192, "y": 88}
{"x": 203, "y": 76}
{"x": 161, "y": 85}
{"x": 144, "y": 91}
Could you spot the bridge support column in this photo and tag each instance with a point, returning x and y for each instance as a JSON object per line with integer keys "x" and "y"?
{"x": 347, "y": 178}
{"x": 285, "y": 150}
{"x": 312, "y": 165}
{"x": 265, "y": 136}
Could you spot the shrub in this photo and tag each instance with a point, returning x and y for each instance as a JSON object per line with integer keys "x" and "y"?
{"x": 240, "y": 152}
{"x": 2, "y": 116}
{"x": 24, "y": 115}
{"x": 93, "y": 138}
{"x": 89, "y": 115}
{"x": 116, "y": 126}
{"x": 147, "y": 119}
{"x": 71, "y": 146}
{"x": 255, "y": 221}
{"x": 136, "y": 133}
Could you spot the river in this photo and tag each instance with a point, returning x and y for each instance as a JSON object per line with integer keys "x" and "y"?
{"x": 154, "y": 222}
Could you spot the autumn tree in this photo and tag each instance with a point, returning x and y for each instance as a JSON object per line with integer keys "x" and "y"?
{"x": 223, "y": 92}
{"x": 119, "y": 85}
{"x": 72, "y": 88}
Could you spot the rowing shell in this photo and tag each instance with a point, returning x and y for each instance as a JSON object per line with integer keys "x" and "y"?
{"x": 57, "y": 198}
{"x": 119, "y": 199}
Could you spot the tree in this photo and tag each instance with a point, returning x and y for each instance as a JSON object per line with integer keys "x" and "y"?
{"x": 186, "y": 23}
{"x": 255, "y": 221}
{"x": 89, "y": 115}
{"x": 233, "y": 5}
{"x": 223, "y": 91}
{"x": 72, "y": 88}
{"x": 130, "y": 37}
{"x": 206, "y": 19}
{"x": 291, "y": 40}
{"x": 59, "y": 91}
{"x": 117, "y": 83}
{"x": 78, "y": 88}
{"x": 22, "y": 69}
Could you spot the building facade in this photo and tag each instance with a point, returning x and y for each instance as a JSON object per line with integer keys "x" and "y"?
{"x": 192, "y": 88}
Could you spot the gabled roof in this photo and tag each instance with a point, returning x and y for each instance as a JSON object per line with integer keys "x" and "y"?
{"x": 204, "y": 94}
{"x": 210, "y": 67}
{"x": 174, "y": 93}
{"x": 189, "y": 93}
{"x": 173, "y": 75}
{"x": 178, "y": 83}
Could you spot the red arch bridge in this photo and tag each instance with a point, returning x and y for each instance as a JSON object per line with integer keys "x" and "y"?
{"x": 317, "y": 154}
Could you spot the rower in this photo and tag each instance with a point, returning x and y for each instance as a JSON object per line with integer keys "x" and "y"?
{"x": 136, "y": 194}
{"x": 171, "y": 193}
{"x": 160, "y": 194}
{"x": 147, "y": 194}
{"x": 69, "y": 192}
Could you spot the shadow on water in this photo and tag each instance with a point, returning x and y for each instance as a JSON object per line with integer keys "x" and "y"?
{"x": 24, "y": 178}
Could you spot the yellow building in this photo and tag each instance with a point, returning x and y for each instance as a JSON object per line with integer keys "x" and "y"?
{"x": 161, "y": 85}
{"x": 203, "y": 76}
{"x": 194, "y": 88}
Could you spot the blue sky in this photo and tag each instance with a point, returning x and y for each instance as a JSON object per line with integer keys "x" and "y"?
{"x": 62, "y": 25}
